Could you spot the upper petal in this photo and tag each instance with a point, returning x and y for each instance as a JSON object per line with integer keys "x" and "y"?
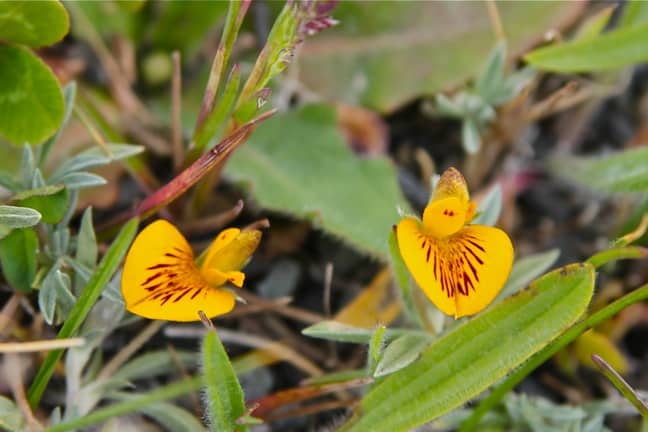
{"x": 233, "y": 252}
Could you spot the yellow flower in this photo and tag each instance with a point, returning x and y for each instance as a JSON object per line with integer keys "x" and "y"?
{"x": 460, "y": 267}
{"x": 161, "y": 279}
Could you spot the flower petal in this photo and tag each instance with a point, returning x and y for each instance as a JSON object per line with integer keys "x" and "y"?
{"x": 161, "y": 281}
{"x": 232, "y": 252}
{"x": 444, "y": 217}
{"x": 460, "y": 274}
{"x": 419, "y": 252}
{"x": 494, "y": 248}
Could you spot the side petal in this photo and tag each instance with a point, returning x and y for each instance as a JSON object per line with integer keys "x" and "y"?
{"x": 485, "y": 260}
{"x": 234, "y": 254}
{"x": 161, "y": 281}
{"x": 421, "y": 256}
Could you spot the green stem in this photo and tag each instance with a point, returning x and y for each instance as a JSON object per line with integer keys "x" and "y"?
{"x": 572, "y": 333}
{"x": 621, "y": 385}
{"x": 136, "y": 403}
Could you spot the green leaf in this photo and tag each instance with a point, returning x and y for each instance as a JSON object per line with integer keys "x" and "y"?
{"x": 18, "y": 217}
{"x": 18, "y": 258}
{"x": 94, "y": 157}
{"x": 55, "y": 294}
{"x": 403, "y": 280}
{"x": 401, "y": 353}
{"x": 337, "y": 331}
{"x": 69, "y": 100}
{"x": 490, "y": 207}
{"x": 33, "y": 23}
{"x": 154, "y": 363}
{"x": 223, "y": 393}
{"x": 477, "y": 354}
{"x": 86, "y": 249}
{"x": 619, "y": 48}
{"x": 299, "y": 163}
{"x": 106, "y": 269}
{"x": 386, "y": 53}
{"x": 621, "y": 172}
{"x": 376, "y": 344}
{"x": 50, "y": 201}
{"x": 31, "y": 102}
{"x": 11, "y": 418}
{"x": 81, "y": 180}
{"x": 172, "y": 417}
{"x": 527, "y": 269}
{"x": 490, "y": 79}
{"x": 635, "y": 13}
{"x": 470, "y": 137}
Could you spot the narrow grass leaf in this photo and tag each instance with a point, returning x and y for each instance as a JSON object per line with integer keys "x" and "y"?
{"x": 624, "y": 388}
{"x": 223, "y": 393}
{"x": 106, "y": 269}
{"x": 477, "y": 354}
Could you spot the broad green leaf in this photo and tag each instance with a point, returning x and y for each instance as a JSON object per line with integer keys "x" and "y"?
{"x": 104, "y": 272}
{"x": 31, "y": 102}
{"x": 50, "y": 201}
{"x": 490, "y": 207}
{"x": 385, "y": 53}
{"x": 490, "y": 79}
{"x": 401, "y": 353}
{"x": 33, "y": 23}
{"x": 223, "y": 394}
{"x": 18, "y": 217}
{"x": 525, "y": 270}
{"x": 299, "y": 163}
{"x": 619, "y": 48}
{"x": 477, "y": 354}
{"x": 18, "y": 251}
{"x": 621, "y": 172}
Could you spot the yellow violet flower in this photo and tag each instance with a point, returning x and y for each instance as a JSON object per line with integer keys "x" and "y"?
{"x": 460, "y": 267}
{"x": 161, "y": 279}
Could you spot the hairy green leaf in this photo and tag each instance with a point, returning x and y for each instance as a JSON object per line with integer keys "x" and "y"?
{"x": 401, "y": 353}
{"x": 299, "y": 163}
{"x": 621, "y": 172}
{"x": 340, "y": 332}
{"x": 619, "y": 48}
{"x": 18, "y": 217}
{"x": 490, "y": 207}
{"x": 18, "y": 251}
{"x": 223, "y": 393}
{"x": 33, "y": 23}
{"x": 474, "y": 356}
{"x": 31, "y": 102}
